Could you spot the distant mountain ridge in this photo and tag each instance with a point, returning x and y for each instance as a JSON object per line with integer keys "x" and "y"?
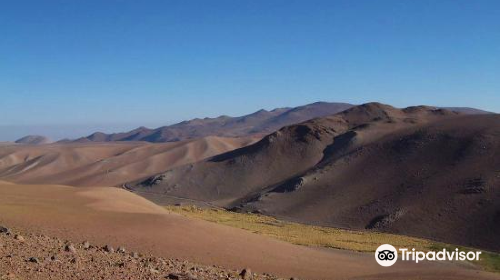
{"x": 260, "y": 122}
{"x": 468, "y": 110}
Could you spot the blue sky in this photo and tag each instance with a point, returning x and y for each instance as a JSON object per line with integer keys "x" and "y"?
{"x": 68, "y": 67}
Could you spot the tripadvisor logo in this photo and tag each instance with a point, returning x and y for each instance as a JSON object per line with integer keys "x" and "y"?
{"x": 387, "y": 255}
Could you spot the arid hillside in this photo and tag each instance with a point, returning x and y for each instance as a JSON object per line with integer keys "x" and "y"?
{"x": 439, "y": 181}
{"x": 227, "y": 178}
{"x": 370, "y": 167}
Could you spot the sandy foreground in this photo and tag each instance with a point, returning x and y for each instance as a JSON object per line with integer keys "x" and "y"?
{"x": 119, "y": 218}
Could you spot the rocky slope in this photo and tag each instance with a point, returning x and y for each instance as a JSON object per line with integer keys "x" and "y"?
{"x": 30, "y": 256}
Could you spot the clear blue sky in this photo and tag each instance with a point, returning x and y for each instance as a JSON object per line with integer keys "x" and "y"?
{"x": 112, "y": 64}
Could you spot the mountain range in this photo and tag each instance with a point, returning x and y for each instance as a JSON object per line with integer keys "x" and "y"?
{"x": 371, "y": 167}
{"x": 364, "y": 167}
{"x": 261, "y": 122}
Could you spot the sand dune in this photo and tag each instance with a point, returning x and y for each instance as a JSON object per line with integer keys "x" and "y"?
{"x": 104, "y": 216}
{"x": 104, "y": 164}
{"x": 117, "y": 200}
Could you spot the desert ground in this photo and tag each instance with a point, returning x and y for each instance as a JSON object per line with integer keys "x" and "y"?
{"x": 116, "y": 217}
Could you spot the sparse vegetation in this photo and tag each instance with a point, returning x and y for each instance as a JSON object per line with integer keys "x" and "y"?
{"x": 489, "y": 261}
{"x": 299, "y": 233}
{"x": 307, "y": 235}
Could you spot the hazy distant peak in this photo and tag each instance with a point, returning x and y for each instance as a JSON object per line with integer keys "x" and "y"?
{"x": 283, "y": 109}
{"x": 259, "y": 122}
{"x": 141, "y": 128}
{"x": 33, "y": 140}
{"x": 260, "y": 111}
{"x": 370, "y": 108}
{"x": 264, "y": 122}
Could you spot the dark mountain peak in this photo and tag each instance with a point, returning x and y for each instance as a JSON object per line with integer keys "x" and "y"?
{"x": 33, "y": 140}
{"x": 375, "y": 111}
{"x": 280, "y": 110}
{"x": 372, "y": 107}
{"x": 428, "y": 109}
{"x": 322, "y": 105}
{"x": 98, "y": 133}
{"x": 369, "y": 112}
{"x": 140, "y": 129}
{"x": 319, "y": 103}
{"x": 200, "y": 121}
{"x": 420, "y": 108}
{"x": 467, "y": 110}
{"x": 98, "y": 137}
{"x": 258, "y": 113}
{"x": 195, "y": 121}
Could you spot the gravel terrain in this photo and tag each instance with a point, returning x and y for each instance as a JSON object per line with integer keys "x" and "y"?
{"x": 29, "y": 256}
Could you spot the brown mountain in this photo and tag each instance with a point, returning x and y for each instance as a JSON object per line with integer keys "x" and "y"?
{"x": 33, "y": 140}
{"x": 261, "y": 122}
{"x": 370, "y": 167}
